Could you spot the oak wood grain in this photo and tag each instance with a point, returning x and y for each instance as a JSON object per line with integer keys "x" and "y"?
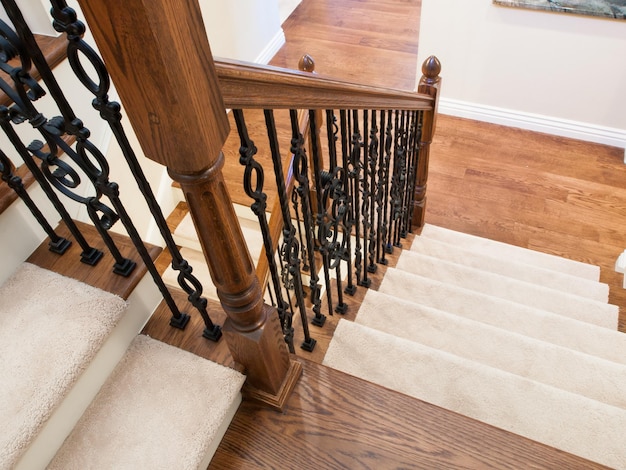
{"x": 337, "y": 421}
{"x": 100, "y": 275}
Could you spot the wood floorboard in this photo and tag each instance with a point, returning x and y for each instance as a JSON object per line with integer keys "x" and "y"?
{"x": 336, "y": 421}
{"x": 543, "y": 192}
{"x": 100, "y": 275}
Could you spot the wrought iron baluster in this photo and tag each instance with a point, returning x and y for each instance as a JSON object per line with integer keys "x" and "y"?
{"x": 52, "y": 131}
{"x": 330, "y": 183}
{"x": 355, "y": 187}
{"x": 414, "y": 157}
{"x": 406, "y": 196}
{"x": 56, "y": 244}
{"x": 365, "y": 193}
{"x": 253, "y": 181}
{"x": 321, "y": 216}
{"x": 372, "y": 161}
{"x": 65, "y": 21}
{"x": 348, "y": 216}
{"x": 406, "y": 131}
{"x": 296, "y": 209}
{"x": 65, "y": 179}
{"x": 401, "y": 175}
{"x": 380, "y": 195}
{"x": 395, "y": 182}
{"x": 89, "y": 255}
{"x": 291, "y": 249}
{"x": 387, "y": 172}
{"x": 300, "y": 166}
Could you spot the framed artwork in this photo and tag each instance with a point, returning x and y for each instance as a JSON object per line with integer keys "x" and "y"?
{"x": 605, "y": 8}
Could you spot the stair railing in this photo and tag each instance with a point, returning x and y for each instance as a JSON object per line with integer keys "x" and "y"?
{"x": 175, "y": 96}
{"x": 361, "y": 187}
{"x": 65, "y": 159}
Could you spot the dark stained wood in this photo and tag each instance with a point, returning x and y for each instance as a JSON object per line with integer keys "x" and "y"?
{"x": 101, "y": 275}
{"x": 337, "y": 421}
{"x": 190, "y": 339}
{"x": 429, "y": 84}
{"x": 170, "y": 91}
{"x": 262, "y": 86}
{"x": 159, "y": 58}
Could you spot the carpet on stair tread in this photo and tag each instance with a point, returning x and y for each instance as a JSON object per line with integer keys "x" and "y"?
{"x": 542, "y": 361}
{"x": 161, "y": 408}
{"x": 511, "y": 268}
{"x": 503, "y": 250}
{"x": 51, "y": 327}
{"x": 504, "y": 287}
{"x": 462, "y": 301}
{"x": 564, "y": 420}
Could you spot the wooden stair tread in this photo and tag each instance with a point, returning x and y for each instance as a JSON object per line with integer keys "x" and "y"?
{"x": 356, "y": 421}
{"x": 100, "y": 275}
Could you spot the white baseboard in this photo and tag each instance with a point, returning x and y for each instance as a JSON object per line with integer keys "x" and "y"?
{"x": 272, "y": 48}
{"x": 535, "y": 122}
{"x": 620, "y": 266}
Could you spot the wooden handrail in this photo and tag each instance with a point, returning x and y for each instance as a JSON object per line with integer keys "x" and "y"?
{"x": 245, "y": 85}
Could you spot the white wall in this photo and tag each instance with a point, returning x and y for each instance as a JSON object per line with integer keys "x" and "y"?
{"x": 248, "y": 30}
{"x": 552, "y": 72}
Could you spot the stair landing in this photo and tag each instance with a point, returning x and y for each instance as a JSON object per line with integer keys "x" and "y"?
{"x": 334, "y": 420}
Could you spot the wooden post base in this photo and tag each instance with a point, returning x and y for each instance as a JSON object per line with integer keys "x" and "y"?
{"x": 279, "y": 400}
{"x": 419, "y": 214}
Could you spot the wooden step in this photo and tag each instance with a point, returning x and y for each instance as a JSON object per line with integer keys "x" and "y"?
{"x": 334, "y": 420}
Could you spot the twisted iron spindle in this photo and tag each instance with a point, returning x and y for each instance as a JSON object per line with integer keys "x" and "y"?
{"x": 57, "y": 244}
{"x": 348, "y": 216}
{"x": 254, "y": 173}
{"x": 291, "y": 250}
{"x": 372, "y": 161}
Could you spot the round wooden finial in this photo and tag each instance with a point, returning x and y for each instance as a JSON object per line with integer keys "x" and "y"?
{"x": 306, "y": 63}
{"x": 431, "y": 68}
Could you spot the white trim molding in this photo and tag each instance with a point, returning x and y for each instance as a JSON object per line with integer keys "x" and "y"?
{"x": 535, "y": 122}
{"x": 272, "y": 48}
{"x": 620, "y": 266}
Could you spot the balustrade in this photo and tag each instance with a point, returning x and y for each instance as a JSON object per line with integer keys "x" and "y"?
{"x": 353, "y": 186}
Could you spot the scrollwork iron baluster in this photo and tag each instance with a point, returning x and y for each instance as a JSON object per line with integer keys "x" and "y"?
{"x": 321, "y": 217}
{"x": 380, "y": 193}
{"x": 65, "y": 20}
{"x": 387, "y": 171}
{"x": 355, "y": 187}
{"x": 372, "y": 161}
{"x": 300, "y": 166}
{"x": 290, "y": 252}
{"x": 253, "y": 180}
{"x": 348, "y": 216}
{"x": 365, "y": 193}
{"x": 56, "y": 244}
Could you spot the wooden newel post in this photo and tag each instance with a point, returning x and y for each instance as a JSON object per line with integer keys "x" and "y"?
{"x": 428, "y": 84}
{"x": 159, "y": 57}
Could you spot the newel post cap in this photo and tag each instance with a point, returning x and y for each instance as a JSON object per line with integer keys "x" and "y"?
{"x": 431, "y": 68}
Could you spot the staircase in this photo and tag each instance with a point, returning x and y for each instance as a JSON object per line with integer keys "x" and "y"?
{"x": 518, "y": 339}
{"x": 80, "y": 387}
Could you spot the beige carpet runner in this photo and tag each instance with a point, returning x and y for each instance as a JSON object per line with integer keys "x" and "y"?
{"x": 517, "y": 339}
{"x": 161, "y": 408}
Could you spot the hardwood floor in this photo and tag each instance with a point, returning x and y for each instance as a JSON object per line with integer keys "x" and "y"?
{"x": 362, "y": 41}
{"x": 543, "y": 192}
{"x": 547, "y": 193}
{"x": 336, "y": 421}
